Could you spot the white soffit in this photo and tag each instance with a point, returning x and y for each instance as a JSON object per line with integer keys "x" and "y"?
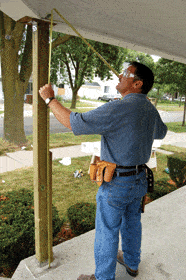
{"x": 151, "y": 26}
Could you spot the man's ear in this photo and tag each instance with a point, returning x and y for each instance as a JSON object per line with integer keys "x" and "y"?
{"x": 138, "y": 84}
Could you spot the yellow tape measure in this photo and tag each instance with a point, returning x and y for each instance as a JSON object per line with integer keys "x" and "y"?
{"x": 84, "y": 40}
{"x": 50, "y": 47}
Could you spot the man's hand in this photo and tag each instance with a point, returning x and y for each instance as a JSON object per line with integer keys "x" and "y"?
{"x": 61, "y": 113}
{"x": 46, "y": 92}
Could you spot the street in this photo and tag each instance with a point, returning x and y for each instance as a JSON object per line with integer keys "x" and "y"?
{"x": 57, "y": 127}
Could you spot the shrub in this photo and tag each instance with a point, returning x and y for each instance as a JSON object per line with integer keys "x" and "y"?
{"x": 161, "y": 188}
{"x": 59, "y": 98}
{"x": 177, "y": 168}
{"x": 82, "y": 217}
{"x": 17, "y": 227}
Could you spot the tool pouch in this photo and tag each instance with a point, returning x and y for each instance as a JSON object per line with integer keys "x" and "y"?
{"x": 102, "y": 171}
{"x": 150, "y": 188}
{"x": 93, "y": 170}
{"x": 150, "y": 179}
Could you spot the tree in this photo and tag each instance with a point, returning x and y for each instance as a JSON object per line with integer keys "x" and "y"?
{"x": 16, "y": 69}
{"x": 173, "y": 73}
{"x": 76, "y": 62}
{"x": 140, "y": 57}
{"x": 159, "y": 83}
{"x": 13, "y": 82}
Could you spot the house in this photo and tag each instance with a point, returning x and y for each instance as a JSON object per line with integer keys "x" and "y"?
{"x": 89, "y": 90}
{"x": 92, "y": 90}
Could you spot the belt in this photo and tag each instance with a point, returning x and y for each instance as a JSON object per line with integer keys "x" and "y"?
{"x": 130, "y": 167}
{"x": 139, "y": 168}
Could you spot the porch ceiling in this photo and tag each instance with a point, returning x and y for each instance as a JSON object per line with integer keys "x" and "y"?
{"x": 155, "y": 27}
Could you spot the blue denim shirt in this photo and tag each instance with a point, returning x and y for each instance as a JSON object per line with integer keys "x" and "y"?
{"x": 127, "y": 127}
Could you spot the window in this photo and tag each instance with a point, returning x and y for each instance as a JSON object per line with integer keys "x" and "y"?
{"x": 106, "y": 89}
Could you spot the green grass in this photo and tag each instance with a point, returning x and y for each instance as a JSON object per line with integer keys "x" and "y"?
{"x": 176, "y": 127}
{"x": 68, "y": 139}
{"x": 161, "y": 165}
{"x": 167, "y": 105}
{"x": 7, "y": 147}
{"x": 81, "y": 107}
{"x": 164, "y": 105}
{"x": 1, "y": 112}
{"x": 66, "y": 189}
{"x": 56, "y": 140}
{"x": 173, "y": 149}
{"x": 81, "y": 110}
{"x": 79, "y": 104}
{"x": 95, "y": 100}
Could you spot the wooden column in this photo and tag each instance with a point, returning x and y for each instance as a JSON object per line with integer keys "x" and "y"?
{"x": 42, "y": 158}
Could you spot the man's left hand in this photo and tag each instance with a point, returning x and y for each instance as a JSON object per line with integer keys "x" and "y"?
{"x": 46, "y": 91}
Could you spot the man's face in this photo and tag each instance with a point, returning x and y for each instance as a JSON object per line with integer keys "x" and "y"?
{"x": 127, "y": 84}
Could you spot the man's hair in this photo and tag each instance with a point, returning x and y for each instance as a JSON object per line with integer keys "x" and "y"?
{"x": 145, "y": 74}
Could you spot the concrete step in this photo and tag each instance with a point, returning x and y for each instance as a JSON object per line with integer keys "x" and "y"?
{"x": 163, "y": 248}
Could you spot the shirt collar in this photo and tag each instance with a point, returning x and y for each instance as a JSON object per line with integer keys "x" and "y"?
{"x": 139, "y": 95}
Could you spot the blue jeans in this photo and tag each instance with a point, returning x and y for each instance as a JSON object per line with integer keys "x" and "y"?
{"x": 118, "y": 208}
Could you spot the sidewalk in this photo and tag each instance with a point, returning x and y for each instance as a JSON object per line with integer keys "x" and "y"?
{"x": 23, "y": 159}
{"x": 175, "y": 139}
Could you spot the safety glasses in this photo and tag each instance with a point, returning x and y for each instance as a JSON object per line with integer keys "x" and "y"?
{"x": 128, "y": 74}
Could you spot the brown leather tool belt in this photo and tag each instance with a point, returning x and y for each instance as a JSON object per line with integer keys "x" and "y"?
{"x": 102, "y": 171}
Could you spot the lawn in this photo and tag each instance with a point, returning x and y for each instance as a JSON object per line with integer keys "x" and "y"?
{"x": 79, "y": 104}
{"x": 56, "y": 140}
{"x": 176, "y": 127}
{"x": 167, "y": 105}
{"x": 164, "y": 105}
{"x": 173, "y": 149}
{"x": 68, "y": 190}
{"x": 69, "y": 139}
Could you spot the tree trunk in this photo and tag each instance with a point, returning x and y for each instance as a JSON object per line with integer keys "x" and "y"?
{"x": 12, "y": 87}
{"x": 15, "y": 83}
{"x": 13, "y": 112}
{"x": 74, "y": 99}
{"x": 184, "y": 113}
{"x": 157, "y": 99}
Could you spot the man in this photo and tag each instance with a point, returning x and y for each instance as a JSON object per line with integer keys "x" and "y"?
{"x": 128, "y": 128}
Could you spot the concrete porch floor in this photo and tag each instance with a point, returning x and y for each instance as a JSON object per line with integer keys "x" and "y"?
{"x": 163, "y": 248}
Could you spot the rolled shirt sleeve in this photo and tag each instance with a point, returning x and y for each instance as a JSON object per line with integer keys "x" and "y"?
{"x": 97, "y": 121}
{"x": 160, "y": 129}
